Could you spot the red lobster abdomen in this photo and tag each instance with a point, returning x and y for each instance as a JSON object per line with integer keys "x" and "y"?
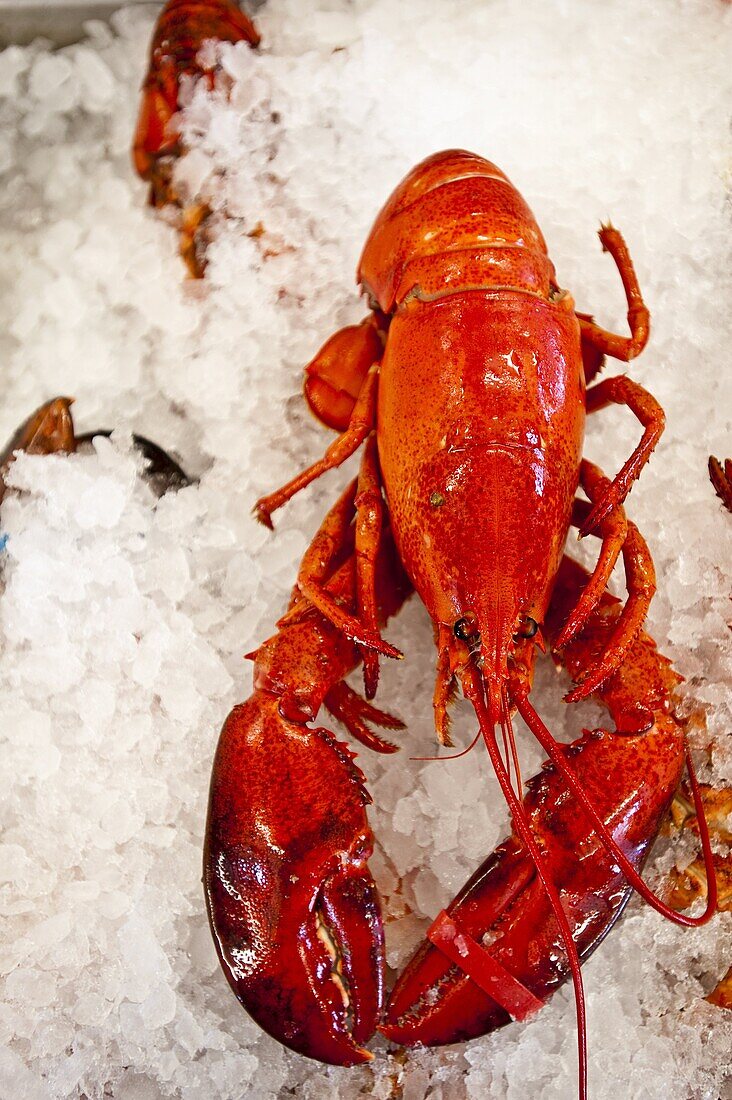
{"x": 454, "y": 222}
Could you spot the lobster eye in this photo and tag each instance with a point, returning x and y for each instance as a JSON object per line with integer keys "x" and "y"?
{"x": 528, "y": 627}
{"x": 465, "y": 629}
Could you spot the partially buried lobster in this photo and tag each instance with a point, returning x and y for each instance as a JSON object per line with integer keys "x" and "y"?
{"x": 180, "y": 32}
{"x": 467, "y": 386}
{"x": 50, "y": 430}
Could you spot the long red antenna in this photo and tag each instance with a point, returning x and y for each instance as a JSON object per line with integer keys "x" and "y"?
{"x": 508, "y": 736}
{"x": 453, "y": 755}
{"x": 555, "y": 754}
{"x": 474, "y": 692}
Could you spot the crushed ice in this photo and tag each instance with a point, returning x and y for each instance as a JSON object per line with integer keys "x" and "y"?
{"x": 124, "y": 619}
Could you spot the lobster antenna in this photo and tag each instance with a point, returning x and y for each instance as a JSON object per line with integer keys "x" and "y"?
{"x": 506, "y": 746}
{"x": 454, "y": 755}
{"x": 555, "y": 754}
{"x": 508, "y": 736}
{"x": 473, "y": 690}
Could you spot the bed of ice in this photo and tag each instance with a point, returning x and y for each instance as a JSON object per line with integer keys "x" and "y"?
{"x": 124, "y": 622}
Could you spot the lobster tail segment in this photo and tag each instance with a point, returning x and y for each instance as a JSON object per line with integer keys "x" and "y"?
{"x": 455, "y": 222}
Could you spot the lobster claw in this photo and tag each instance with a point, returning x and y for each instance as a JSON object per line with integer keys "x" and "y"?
{"x": 293, "y": 908}
{"x": 504, "y": 907}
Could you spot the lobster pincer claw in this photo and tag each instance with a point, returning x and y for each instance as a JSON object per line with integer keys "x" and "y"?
{"x": 497, "y": 954}
{"x": 292, "y": 904}
{"x": 502, "y": 912}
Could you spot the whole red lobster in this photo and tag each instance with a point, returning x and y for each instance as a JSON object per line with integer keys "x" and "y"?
{"x": 181, "y": 30}
{"x": 467, "y": 385}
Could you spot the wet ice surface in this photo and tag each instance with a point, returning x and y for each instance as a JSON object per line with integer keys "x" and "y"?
{"x": 123, "y": 624}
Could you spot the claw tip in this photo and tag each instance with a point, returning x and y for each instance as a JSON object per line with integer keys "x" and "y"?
{"x": 262, "y": 516}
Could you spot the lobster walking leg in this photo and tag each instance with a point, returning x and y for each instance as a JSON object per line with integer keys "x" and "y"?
{"x": 620, "y": 347}
{"x": 369, "y": 521}
{"x": 641, "y": 581}
{"x": 721, "y": 478}
{"x": 362, "y": 627}
{"x": 445, "y": 686}
{"x": 436, "y": 1002}
{"x": 624, "y": 391}
{"x": 618, "y": 536}
{"x": 361, "y": 423}
{"x": 316, "y": 593}
{"x": 613, "y": 531}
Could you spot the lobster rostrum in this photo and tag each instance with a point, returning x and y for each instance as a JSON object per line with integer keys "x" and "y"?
{"x": 467, "y": 386}
{"x": 181, "y": 30}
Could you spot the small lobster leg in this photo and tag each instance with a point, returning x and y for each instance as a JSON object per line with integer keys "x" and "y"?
{"x": 721, "y": 478}
{"x": 323, "y": 549}
{"x": 445, "y": 685}
{"x": 369, "y": 521}
{"x": 293, "y": 907}
{"x": 596, "y": 343}
{"x": 340, "y": 386}
{"x": 608, "y": 343}
{"x": 618, "y": 536}
{"x": 360, "y": 425}
{"x": 504, "y": 904}
{"x": 640, "y": 578}
{"x": 331, "y": 545}
{"x": 613, "y": 531}
{"x": 622, "y": 390}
